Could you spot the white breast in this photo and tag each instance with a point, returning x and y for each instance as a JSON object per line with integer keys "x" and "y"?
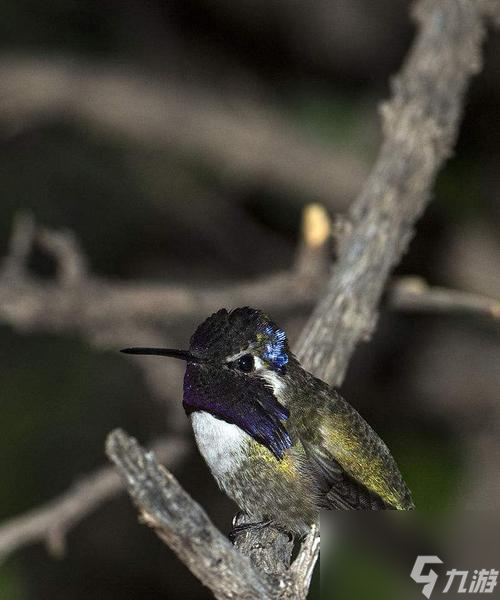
{"x": 221, "y": 444}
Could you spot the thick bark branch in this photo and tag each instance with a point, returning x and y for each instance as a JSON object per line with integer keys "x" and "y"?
{"x": 420, "y": 126}
{"x": 182, "y": 524}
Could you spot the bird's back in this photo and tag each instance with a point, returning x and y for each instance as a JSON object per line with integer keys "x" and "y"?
{"x": 352, "y": 465}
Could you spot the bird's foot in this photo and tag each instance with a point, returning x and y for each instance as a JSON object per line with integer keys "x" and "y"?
{"x": 280, "y": 529}
{"x": 238, "y": 516}
{"x": 245, "y": 527}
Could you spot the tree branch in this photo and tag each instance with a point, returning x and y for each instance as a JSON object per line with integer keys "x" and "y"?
{"x": 182, "y": 524}
{"x": 115, "y": 312}
{"x": 245, "y": 141}
{"x": 413, "y": 294}
{"x": 20, "y": 246}
{"x": 108, "y": 314}
{"x": 51, "y": 522}
{"x": 420, "y": 125}
{"x": 28, "y": 303}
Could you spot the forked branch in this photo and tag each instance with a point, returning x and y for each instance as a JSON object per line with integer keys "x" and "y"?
{"x": 420, "y": 126}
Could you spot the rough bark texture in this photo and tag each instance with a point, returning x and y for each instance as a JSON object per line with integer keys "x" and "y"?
{"x": 420, "y": 124}
{"x": 183, "y": 524}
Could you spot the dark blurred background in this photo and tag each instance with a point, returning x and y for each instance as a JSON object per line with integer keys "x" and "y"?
{"x": 180, "y": 141}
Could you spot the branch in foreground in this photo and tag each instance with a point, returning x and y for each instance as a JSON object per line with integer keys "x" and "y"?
{"x": 420, "y": 126}
{"x": 182, "y": 524}
{"x": 308, "y": 553}
{"x": 51, "y": 522}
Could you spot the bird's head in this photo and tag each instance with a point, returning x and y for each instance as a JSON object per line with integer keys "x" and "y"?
{"x": 236, "y": 370}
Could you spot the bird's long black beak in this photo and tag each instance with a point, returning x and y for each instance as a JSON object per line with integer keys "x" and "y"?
{"x": 182, "y": 354}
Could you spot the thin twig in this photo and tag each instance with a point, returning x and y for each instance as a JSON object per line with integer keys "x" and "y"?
{"x": 20, "y": 246}
{"x": 51, "y": 522}
{"x": 71, "y": 261}
{"x": 413, "y": 294}
{"x": 79, "y": 301}
{"x": 303, "y": 567}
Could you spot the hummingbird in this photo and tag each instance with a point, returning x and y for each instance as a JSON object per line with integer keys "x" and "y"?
{"x": 280, "y": 442}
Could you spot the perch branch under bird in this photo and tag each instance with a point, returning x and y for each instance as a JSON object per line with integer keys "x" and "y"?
{"x": 420, "y": 125}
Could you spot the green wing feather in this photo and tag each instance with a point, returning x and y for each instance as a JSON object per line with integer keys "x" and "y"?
{"x": 350, "y": 441}
{"x": 339, "y": 436}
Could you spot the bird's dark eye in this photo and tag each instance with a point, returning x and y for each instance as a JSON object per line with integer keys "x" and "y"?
{"x": 245, "y": 363}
